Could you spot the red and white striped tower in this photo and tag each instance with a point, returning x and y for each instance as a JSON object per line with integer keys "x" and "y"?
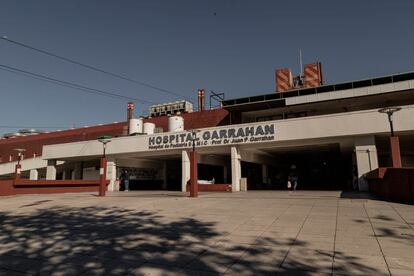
{"x": 284, "y": 80}
{"x": 313, "y": 74}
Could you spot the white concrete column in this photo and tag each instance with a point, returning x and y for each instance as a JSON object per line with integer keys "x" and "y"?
{"x": 164, "y": 175}
{"x": 51, "y": 170}
{"x": 235, "y": 169}
{"x": 34, "y": 174}
{"x": 185, "y": 170}
{"x": 111, "y": 175}
{"x": 366, "y": 158}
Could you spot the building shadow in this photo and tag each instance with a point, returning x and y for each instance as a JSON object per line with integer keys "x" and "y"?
{"x": 357, "y": 195}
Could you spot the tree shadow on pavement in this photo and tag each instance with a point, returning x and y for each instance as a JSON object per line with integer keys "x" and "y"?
{"x": 97, "y": 240}
{"x": 115, "y": 241}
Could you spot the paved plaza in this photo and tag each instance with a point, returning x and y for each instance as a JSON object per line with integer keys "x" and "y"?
{"x": 167, "y": 233}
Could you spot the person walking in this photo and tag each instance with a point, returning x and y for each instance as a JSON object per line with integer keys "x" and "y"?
{"x": 355, "y": 178}
{"x": 293, "y": 177}
{"x": 125, "y": 180}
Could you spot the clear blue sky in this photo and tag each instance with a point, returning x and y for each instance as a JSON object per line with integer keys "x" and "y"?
{"x": 226, "y": 46}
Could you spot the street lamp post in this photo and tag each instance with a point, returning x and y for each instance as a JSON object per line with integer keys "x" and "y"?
{"x": 102, "y": 171}
{"x": 394, "y": 140}
{"x": 193, "y": 167}
{"x": 18, "y": 166}
{"x": 19, "y": 155}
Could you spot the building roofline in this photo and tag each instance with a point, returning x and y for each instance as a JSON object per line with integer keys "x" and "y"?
{"x": 320, "y": 89}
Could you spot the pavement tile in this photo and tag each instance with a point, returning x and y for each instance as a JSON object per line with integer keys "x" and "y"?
{"x": 294, "y": 272}
{"x": 237, "y": 239}
{"x": 275, "y": 239}
{"x": 153, "y": 270}
{"x": 359, "y": 247}
{"x": 402, "y": 263}
{"x": 315, "y": 244}
{"x": 163, "y": 233}
{"x": 253, "y": 269}
{"x": 397, "y": 250}
{"x": 316, "y": 237}
{"x": 401, "y": 272}
{"x": 190, "y": 272}
{"x": 352, "y": 264}
{"x": 20, "y": 264}
{"x": 217, "y": 259}
{"x": 257, "y": 221}
{"x": 305, "y": 259}
{"x": 251, "y": 233}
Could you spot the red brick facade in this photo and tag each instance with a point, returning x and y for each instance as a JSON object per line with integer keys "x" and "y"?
{"x": 33, "y": 144}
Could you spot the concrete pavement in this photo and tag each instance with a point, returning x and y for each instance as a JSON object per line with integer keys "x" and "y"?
{"x": 166, "y": 233}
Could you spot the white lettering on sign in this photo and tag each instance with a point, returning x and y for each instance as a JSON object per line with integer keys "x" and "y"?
{"x": 215, "y": 137}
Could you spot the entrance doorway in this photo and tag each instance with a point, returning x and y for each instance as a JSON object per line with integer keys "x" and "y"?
{"x": 318, "y": 168}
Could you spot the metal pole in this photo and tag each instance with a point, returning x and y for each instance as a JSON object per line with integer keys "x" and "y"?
{"x": 391, "y": 124}
{"x": 194, "y": 138}
{"x": 104, "y": 150}
{"x": 102, "y": 177}
{"x": 193, "y": 169}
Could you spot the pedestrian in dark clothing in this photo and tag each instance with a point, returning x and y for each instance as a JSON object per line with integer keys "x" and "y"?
{"x": 125, "y": 179}
{"x": 293, "y": 176}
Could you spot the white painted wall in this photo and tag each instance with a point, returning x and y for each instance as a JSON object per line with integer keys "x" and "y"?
{"x": 350, "y": 93}
{"x": 27, "y": 164}
{"x": 368, "y": 122}
{"x": 366, "y": 157}
{"x": 185, "y": 170}
{"x": 235, "y": 169}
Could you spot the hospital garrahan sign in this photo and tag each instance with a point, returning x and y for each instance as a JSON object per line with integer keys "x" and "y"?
{"x": 214, "y": 137}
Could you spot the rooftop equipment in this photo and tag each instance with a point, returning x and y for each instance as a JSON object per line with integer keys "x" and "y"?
{"x": 149, "y": 128}
{"x": 135, "y": 126}
{"x": 201, "y": 99}
{"x": 175, "y": 123}
{"x": 12, "y": 135}
{"x": 311, "y": 77}
{"x": 30, "y": 131}
{"x": 170, "y": 108}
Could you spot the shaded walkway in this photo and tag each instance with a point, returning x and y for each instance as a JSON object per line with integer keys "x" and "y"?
{"x": 258, "y": 233}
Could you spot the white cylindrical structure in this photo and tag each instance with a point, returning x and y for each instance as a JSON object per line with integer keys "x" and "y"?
{"x": 149, "y": 128}
{"x": 175, "y": 123}
{"x": 135, "y": 126}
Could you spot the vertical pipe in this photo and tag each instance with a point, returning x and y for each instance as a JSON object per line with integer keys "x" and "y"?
{"x": 193, "y": 174}
{"x": 17, "y": 172}
{"x": 199, "y": 100}
{"x": 130, "y": 112}
{"x": 395, "y": 152}
{"x": 202, "y": 100}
